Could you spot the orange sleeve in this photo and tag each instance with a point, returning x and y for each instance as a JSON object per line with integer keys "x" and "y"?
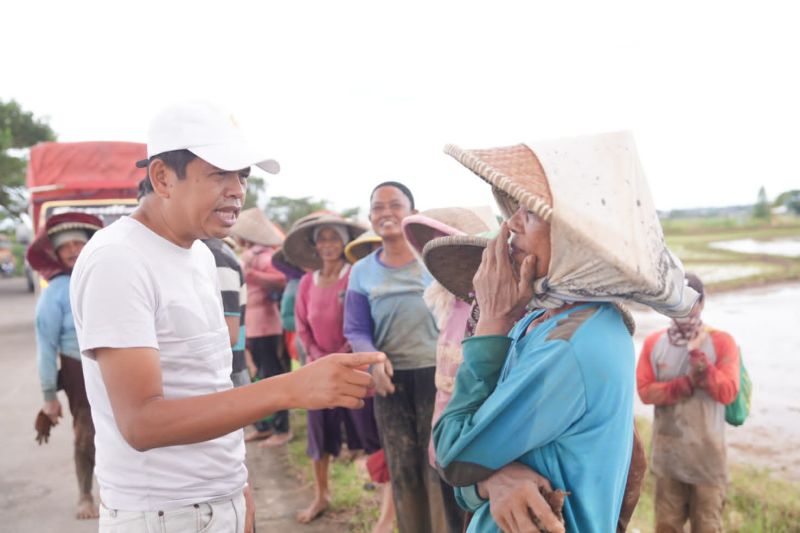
{"x": 658, "y": 392}
{"x": 722, "y": 378}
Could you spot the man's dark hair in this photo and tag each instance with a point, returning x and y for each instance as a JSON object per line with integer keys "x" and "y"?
{"x": 397, "y": 185}
{"x": 693, "y": 281}
{"x": 177, "y": 160}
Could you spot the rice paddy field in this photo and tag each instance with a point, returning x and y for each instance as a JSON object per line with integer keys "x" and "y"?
{"x": 729, "y": 255}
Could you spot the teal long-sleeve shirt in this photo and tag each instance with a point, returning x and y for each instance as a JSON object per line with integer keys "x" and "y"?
{"x": 55, "y": 333}
{"x": 558, "y": 399}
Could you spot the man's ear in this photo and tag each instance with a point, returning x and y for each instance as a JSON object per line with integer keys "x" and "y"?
{"x": 414, "y": 211}
{"x": 160, "y": 177}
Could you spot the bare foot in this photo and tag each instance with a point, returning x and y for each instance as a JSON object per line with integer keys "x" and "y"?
{"x": 87, "y": 509}
{"x": 257, "y": 435}
{"x": 278, "y": 439}
{"x": 317, "y": 507}
{"x": 384, "y": 526}
{"x": 385, "y": 522}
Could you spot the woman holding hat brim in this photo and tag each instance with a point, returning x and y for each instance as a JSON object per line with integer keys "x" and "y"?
{"x": 53, "y": 255}
{"x": 319, "y": 314}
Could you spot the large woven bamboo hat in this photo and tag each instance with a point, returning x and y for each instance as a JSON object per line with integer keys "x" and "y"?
{"x": 254, "y": 226}
{"x": 362, "y": 246}
{"x": 606, "y": 239}
{"x": 299, "y": 245}
{"x": 453, "y": 261}
{"x": 421, "y": 228}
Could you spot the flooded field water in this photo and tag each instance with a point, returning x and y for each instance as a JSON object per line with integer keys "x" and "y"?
{"x": 766, "y": 324}
{"x": 782, "y": 247}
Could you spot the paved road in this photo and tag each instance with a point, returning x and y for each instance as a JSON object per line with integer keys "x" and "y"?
{"x": 38, "y": 489}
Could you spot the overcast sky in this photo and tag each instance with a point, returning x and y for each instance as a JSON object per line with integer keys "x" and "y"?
{"x": 348, "y": 94}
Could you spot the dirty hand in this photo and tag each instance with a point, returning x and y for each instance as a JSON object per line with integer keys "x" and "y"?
{"x": 382, "y": 373}
{"x": 52, "y": 408}
{"x": 514, "y": 494}
{"x": 336, "y": 380}
{"x": 698, "y": 364}
{"x": 249, "y": 510}
{"x": 697, "y": 342}
{"x": 501, "y": 293}
{"x": 683, "y": 386}
{"x": 42, "y": 425}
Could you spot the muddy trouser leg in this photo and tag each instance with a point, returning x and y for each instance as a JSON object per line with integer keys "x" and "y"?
{"x": 445, "y": 514}
{"x": 706, "y": 503}
{"x": 633, "y": 487}
{"x": 274, "y": 365}
{"x": 395, "y": 415}
{"x": 71, "y": 380}
{"x": 265, "y": 357}
{"x": 672, "y": 505}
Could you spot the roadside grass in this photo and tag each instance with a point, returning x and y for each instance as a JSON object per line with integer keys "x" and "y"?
{"x": 352, "y": 505}
{"x": 756, "y": 501}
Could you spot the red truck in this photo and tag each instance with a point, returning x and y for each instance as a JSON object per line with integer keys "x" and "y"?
{"x": 99, "y": 178}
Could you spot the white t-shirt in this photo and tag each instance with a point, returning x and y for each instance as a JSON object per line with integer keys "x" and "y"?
{"x": 132, "y": 288}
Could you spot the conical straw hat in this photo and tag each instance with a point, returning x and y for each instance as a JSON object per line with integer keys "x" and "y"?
{"x": 453, "y": 261}
{"x": 439, "y": 222}
{"x": 299, "y": 245}
{"x": 607, "y": 242}
{"x": 279, "y": 259}
{"x": 254, "y": 226}
{"x": 362, "y": 246}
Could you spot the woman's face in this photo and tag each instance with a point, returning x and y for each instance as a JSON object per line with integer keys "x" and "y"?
{"x": 530, "y": 235}
{"x": 388, "y": 207}
{"x": 329, "y": 245}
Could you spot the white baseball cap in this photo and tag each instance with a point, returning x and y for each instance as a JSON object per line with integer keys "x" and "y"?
{"x": 209, "y": 133}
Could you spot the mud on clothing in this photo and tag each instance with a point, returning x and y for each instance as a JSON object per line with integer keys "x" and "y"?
{"x": 57, "y": 340}
{"x": 558, "y": 399}
{"x": 271, "y": 359}
{"x": 385, "y": 311}
{"x": 689, "y": 432}
{"x": 424, "y": 503}
{"x": 70, "y": 379}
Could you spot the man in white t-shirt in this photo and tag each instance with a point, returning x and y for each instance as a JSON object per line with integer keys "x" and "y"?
{"x": 156, "y": 349}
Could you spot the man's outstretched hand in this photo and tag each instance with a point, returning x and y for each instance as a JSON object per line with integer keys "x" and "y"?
{"x": 336, "y": 380}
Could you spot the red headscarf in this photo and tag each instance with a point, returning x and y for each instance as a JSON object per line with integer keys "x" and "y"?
{"x": 41, "y": 255}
